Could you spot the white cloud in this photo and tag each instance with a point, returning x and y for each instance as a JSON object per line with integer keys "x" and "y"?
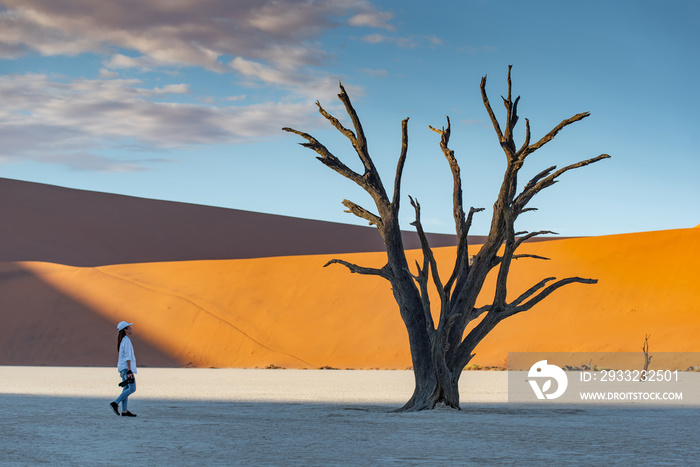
{"x": 401, "y": 41}
{"x": 376, "y": 72}
{"x": 108, "y": 74}
{"x": 303, "y": 84}
{"x": 434, "y": 40}
{"x": 48, "y": 120}
{"x": 121, "y": 61}
{"x": 182, "y": 33}
{"x": 73, "y": 122}
{"x": 267, "y": 74}
{"x": 173, "y": 89}
{"x": 375, "y": 38}
{"x": 374, "y": 19}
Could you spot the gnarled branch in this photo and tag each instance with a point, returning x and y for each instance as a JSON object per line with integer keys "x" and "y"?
{"x": 336, "y": 123}
{"x": 457, "y": 203}
{"x": 518, "y": 306}
{"x": 400, "y": 165}
{"x": 370, "y": 181}
{"x": 427, "y": 251}
{"x": 526, "y": 143}
{"x": 533, "y": 188}
{"x": 355, "y": 269}
{"x": 530, "y": 235}
{"x": 537, "y": 178}
{"x": 374, "y": 182}
{"x": 422, "y": 280}
{"x": 359, "y": 211}
{"x": 462, "y": 261}
{"x": 524, "y": 152}
{"x": 531, "y": 256}
{"x": 511, "y": 118}
{"x": 489, "y": 110}
{"x": 327, "y": 157}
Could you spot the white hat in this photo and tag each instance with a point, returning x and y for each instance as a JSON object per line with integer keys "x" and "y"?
{"x": 123, "y": 325}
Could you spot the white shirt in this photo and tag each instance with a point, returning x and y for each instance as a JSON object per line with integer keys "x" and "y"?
{"x": 126, "y": 352}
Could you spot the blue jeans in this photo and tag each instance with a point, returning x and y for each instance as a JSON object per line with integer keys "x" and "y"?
{"x": 128, "y": 390}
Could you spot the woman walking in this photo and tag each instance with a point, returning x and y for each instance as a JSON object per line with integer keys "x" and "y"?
{"x": 126, "y": 366}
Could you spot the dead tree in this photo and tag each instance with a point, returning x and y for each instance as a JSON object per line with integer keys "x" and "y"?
{"x": 440, "y": 350}
{"x": 647, "y": 357}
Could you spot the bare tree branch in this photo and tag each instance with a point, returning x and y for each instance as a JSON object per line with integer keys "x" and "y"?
{"x": 531, "y": 291}
{"x": 370, "y": 181}
{"x": 538, "y": 177}
{"x": 487, "y": 104}
{"x": 499, "y": 259}
{"x": 531, "y": 256}
{"x": 422, "y": 280}
{"x": 336, "y": 123}
{"x": 526, "y": 143}
{"x": 516, "y": 307}
{"x": 327, "y": 157}
{"x": 550, "y": 136}
{"x": 504, "y": 270}
{"x": 400, "y": 165}
{"x": 462, "y": 260}
{"x": 359, "y": 211}
{"x": 530, "y": 235}
{"x": 355, "y": 269}
{"x": 457, "y": 203}
{"x": 428, "y": 264}
{"x": 360, "y": 143}
{"x": 476, "y": 312}
{"x": 511, "y": 118}
{"x": 523, "y": 198}
{"x": 462, "y": 225}
{"x": 427, "y": 251}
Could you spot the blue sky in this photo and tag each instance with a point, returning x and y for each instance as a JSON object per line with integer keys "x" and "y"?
{"x": 185, "y": 101}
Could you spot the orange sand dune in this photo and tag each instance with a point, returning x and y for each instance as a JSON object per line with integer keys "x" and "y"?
{"x": 291, "y": 312}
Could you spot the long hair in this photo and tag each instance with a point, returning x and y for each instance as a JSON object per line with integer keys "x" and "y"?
{"x": 121, "y": 335}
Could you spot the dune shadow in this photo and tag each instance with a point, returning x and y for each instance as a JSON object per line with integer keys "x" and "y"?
{"x": 43, "y": 326}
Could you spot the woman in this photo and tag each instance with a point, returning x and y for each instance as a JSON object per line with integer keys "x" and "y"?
{"x": 126, "y": 367}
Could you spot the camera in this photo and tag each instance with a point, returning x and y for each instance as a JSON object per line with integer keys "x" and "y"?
{"x": 129, "y": 379}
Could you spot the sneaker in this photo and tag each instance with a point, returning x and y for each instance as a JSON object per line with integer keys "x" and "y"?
{"x": 115, "y": 407}
{"x": 126, "y": 413}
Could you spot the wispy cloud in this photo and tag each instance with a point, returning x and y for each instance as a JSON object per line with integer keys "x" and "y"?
{"x": 407, "y": 42}
{"x": 402, "y": 41}
{"x": 373, "y": 19}
{"x": 183, "y": 33}
{"x": 473, "y": 50}
{"x": 49, "y": 120}
{"x": 262, "y": 42}
{"x": 108, "y": 74}
{"x": 380, "y": 73}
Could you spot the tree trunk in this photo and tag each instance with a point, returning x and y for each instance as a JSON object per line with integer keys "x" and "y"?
{"x": 435, "y": 383}
{"x": 433, "y": 390}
